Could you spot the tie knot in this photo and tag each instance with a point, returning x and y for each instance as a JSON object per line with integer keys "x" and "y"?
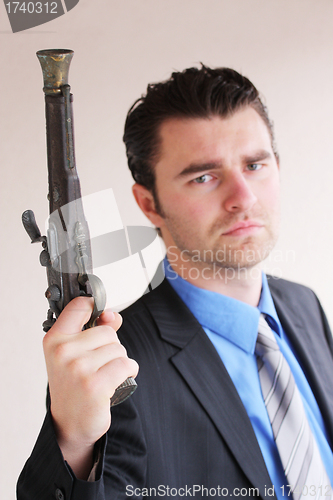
{"x": 265, "y": 341}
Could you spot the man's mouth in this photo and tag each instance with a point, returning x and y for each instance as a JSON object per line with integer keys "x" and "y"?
{"x": 244, "y": 228}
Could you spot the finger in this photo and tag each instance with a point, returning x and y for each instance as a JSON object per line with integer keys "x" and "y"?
{"x": 81, "y": 343}
{"x": 110, "y": 318}
{"x": 74, "y": 316}
{"x": 96, "y": 359}
{"x": 117, "y": 371}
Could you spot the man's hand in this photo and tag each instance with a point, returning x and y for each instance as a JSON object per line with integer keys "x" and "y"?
{"x": 84, "y": 369}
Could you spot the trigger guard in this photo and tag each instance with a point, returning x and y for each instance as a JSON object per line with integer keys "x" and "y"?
{"x": 99, "y": 296}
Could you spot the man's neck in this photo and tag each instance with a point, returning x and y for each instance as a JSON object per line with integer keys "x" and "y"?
{"x": 243, "y": 284}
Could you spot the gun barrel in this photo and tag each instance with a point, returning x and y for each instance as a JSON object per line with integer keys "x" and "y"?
{"x": 55, "y": 65}
{"x": 64, "y": 195}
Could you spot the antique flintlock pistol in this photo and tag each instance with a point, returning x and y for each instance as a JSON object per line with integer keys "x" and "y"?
{"x": 66, "y": 250}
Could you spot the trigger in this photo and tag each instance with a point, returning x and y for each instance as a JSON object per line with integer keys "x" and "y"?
{"x": 99, "y": 296}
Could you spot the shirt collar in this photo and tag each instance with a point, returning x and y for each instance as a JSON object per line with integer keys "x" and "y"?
{"x": 230, "y": 318}
{"x": 267, "y": 307}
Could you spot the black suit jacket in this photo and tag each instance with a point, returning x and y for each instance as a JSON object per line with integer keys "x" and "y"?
{"x": 185, "y": 426}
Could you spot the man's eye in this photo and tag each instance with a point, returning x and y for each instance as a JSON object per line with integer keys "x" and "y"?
{"x": 254, "y": 166}
{"x": 202, "y": 179}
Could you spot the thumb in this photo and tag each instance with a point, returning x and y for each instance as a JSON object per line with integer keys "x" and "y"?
{"x": 75, "y": 315}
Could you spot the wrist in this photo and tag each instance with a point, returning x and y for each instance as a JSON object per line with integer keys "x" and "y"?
{"x": 79, "y": 457}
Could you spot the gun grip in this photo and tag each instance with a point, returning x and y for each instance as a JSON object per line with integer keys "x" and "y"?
{"x": 126, "y": 389}
{"x": 123, "y": 391}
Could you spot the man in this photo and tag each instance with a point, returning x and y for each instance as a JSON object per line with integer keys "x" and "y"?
{"x": 202, "y": 422}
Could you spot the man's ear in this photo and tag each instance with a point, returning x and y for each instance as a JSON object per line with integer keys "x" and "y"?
{"x": 145, "y": 200}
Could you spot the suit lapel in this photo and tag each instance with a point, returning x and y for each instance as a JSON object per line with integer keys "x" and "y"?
{"x": 299, "y": 321}
{"x": 211, "y": 385}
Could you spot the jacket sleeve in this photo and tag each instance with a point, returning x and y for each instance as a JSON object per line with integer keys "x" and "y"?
{"x": 47, "y": 475}
{"x": 122, "y": 462}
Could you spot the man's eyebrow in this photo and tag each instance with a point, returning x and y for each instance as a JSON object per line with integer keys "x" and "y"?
{"x": 256, "y": 156}
{"x": 195, "y": 168}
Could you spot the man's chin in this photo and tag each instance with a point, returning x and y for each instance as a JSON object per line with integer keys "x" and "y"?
{"x": 244, "y": 253}
{"x": 244, "y": 256}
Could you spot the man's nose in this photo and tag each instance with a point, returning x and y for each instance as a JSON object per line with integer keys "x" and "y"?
{"x": 239, "y": 195}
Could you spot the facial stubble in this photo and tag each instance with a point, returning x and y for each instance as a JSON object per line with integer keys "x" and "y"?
{"x": 225, "y": 252}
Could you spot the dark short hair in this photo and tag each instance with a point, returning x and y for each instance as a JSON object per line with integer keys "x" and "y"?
{"x": 193, "y": 93}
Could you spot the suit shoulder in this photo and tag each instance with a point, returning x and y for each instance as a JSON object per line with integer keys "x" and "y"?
{"x": 161, "y": 299}
{"x": 138, "y": 320}
{"x": 300, "y": 300}
{"x": 138, "y": 307}
{"x": 289, "y": 289}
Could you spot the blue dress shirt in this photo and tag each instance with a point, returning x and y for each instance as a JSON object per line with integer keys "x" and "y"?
{"x": 232, "y": 327}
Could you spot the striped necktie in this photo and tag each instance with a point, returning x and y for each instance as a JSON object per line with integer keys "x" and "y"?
{"x": 300, "y": 457}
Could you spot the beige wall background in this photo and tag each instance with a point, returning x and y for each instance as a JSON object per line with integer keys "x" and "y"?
{"x": 284, "y": 46}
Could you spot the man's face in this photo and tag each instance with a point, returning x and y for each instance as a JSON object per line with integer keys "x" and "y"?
{"x": 217, "y": 183}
